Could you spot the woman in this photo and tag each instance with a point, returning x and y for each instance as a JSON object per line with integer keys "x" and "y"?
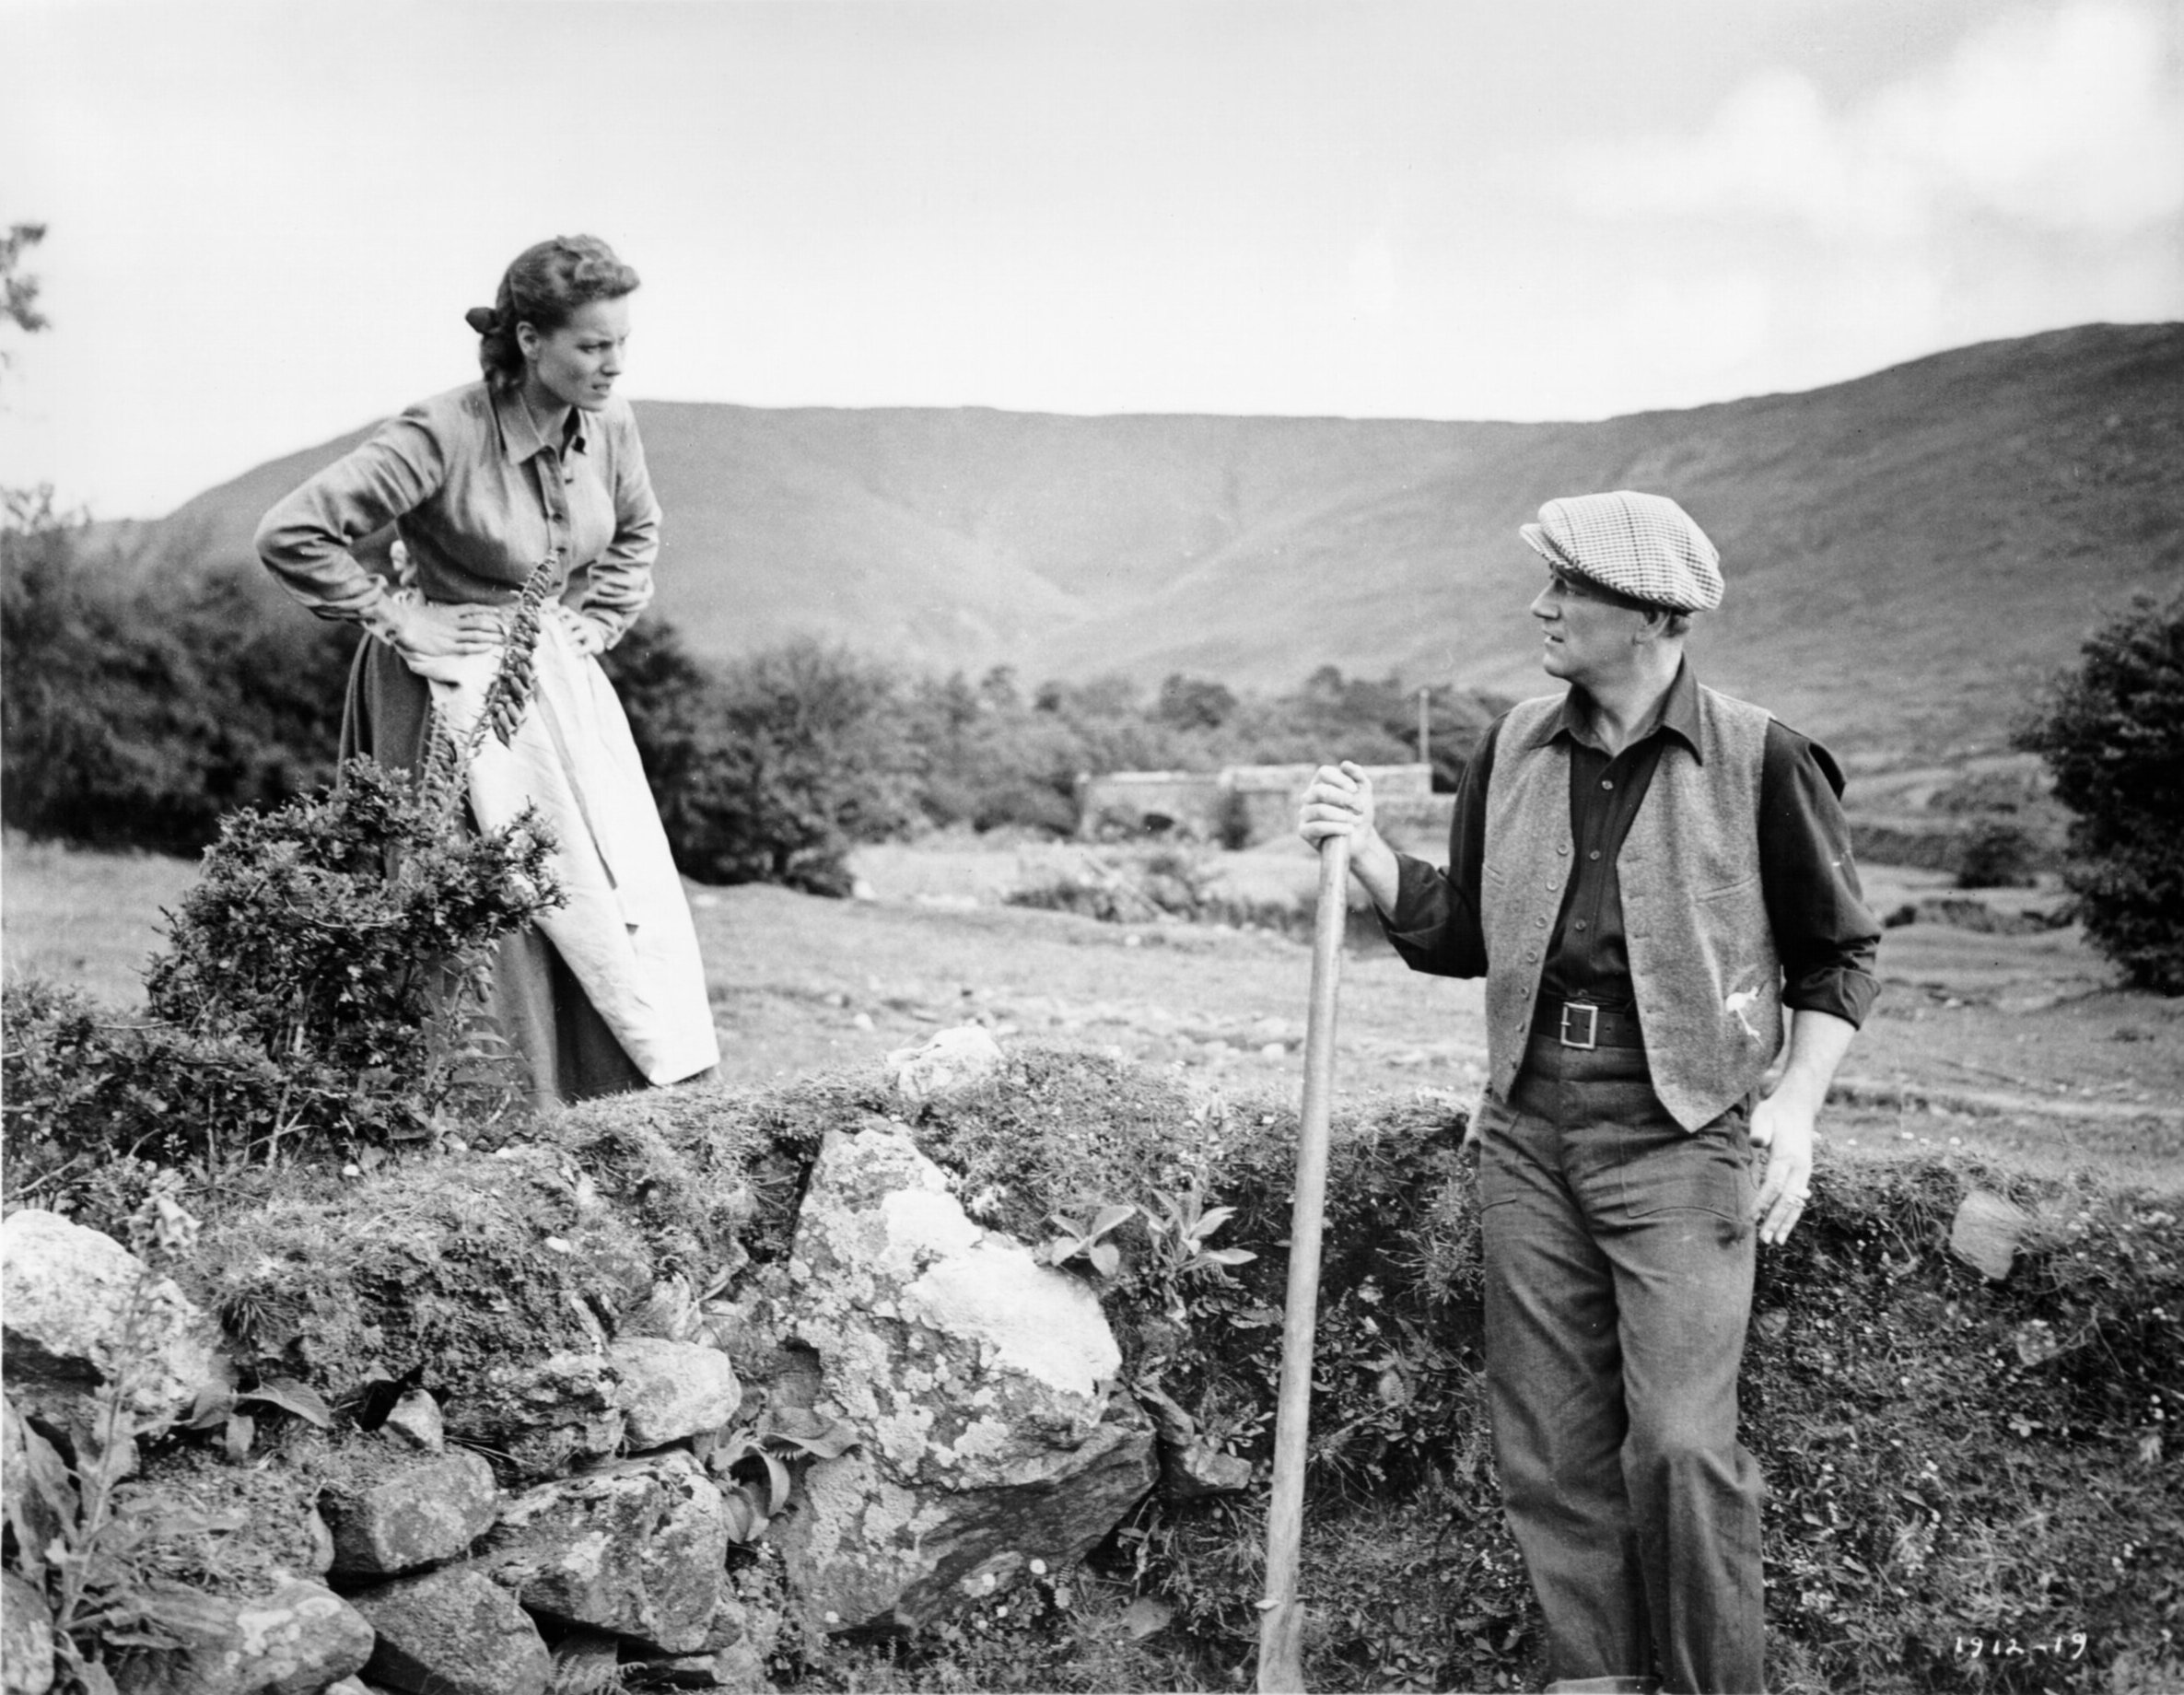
{"x": 537, "y": 465}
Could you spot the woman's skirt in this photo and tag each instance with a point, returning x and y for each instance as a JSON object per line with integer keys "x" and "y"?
{"x": 568, "y": 1049}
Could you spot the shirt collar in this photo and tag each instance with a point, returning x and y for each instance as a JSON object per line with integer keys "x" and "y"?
{"x": 520, "y": 436}
{"x": 1679, "y": 713}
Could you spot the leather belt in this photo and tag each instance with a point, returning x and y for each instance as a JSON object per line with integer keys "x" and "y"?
{"x": 1581, "y": 1024}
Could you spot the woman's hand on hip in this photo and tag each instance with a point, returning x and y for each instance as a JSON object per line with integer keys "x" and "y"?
{"x": 421, "y": 630}
{"x": 588, "y": 635}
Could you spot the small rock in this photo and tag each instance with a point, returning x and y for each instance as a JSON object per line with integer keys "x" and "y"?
{"x": 637, "y": 1548}
{"x": 26, "y": 1638}
{"x": 671, "y": 1390}
{"x": 416, "y": 1421}
{"x": 1986, "y": 1232}
{"x": 668, "y": 1309}
{"x": 420, "y": 1514}
{"x": 1190, "y": 1467}
{"x": 952, "y": 1060}
{"x": 453, "y": 1632}
{"x": 738, "y": 1667}
{"x": 294, "y": 1641}
{"x": 544, "y": 1415}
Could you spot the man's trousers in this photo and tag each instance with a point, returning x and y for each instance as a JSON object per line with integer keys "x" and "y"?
{"x": 1619, "y": 1283}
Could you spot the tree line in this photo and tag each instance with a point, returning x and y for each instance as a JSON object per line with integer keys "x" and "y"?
{"x": 141, "y": 706}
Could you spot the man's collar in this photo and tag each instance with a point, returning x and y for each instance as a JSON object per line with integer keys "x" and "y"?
{"x": 1678, "y": 717}
{"x": 520, "y": 437}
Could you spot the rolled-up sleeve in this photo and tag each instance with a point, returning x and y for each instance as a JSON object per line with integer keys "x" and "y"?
{"x": 306, "y": 540}
{"x": 619, "y": 581}
{"x": 1435, "y": 924}
{"x": 1826, "y": 936}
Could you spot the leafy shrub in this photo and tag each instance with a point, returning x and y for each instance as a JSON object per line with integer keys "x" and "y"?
{"x": 139, "y": 707}
{"x": 1995, "y": 855}
{"x": 321, "y": 987}
{"x": 2113, "y": 735}
{"x": 771, "y": 768}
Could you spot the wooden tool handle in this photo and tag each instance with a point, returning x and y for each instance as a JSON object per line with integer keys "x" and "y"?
{"x": 1281, "y": 1615}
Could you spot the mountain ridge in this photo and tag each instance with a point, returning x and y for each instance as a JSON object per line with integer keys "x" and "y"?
{"x": 1910, "y": 553}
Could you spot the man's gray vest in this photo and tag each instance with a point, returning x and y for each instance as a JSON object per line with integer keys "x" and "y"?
{"x": 1703, "y": 966}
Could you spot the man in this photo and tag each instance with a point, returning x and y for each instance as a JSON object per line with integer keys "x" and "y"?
{"x": 1653, "y": 878}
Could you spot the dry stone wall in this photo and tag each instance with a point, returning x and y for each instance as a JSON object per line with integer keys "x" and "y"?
{"x": 944, "y": 1416}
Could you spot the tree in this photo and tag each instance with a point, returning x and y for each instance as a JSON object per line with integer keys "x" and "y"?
{"x": 1193, "y": 703}
{"x": 770, "y": 768}
{"x": 136, "y": 712}
{"x": 2112, "y": 732}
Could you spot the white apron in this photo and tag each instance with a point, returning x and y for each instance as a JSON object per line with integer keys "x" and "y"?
{"x": 624, "y": 929}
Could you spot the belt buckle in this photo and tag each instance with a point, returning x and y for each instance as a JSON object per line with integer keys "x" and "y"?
{"x": 1592, "y": 1036}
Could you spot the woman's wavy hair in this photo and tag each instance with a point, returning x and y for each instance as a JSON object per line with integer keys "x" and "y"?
{"x": 544, "y": 288}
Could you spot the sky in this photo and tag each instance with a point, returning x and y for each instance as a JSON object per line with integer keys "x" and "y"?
{"x": 264, "y": 221}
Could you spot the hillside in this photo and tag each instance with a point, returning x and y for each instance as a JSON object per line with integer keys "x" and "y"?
{"x": 1909, "y": 553}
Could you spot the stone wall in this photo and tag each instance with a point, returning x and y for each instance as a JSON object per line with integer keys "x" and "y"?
{"x": 1240, "y": 806}
{"x": 937, "y": 1415}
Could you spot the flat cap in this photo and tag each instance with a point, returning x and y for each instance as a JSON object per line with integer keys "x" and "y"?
{"x": 1642, "y": 545}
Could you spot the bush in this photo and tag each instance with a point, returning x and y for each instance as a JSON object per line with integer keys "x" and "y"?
{"x": 771, "y": 768}
{"x": 136, "y": 712}
{"x": 2113, "y": 735}
{"x": 1995, "y": 855}
{"x": 320, "y": 988}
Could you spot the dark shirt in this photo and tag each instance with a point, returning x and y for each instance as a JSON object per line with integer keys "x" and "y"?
{"x": 1825, "y": 936}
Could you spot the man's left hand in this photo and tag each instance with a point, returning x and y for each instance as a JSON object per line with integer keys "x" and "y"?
{"x": 1783, "y": 1125}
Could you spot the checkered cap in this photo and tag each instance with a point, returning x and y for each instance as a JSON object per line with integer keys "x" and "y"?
{"x": 1642, "y": 545}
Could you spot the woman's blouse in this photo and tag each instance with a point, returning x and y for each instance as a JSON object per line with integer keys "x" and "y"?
{"x": 479, "y": 500}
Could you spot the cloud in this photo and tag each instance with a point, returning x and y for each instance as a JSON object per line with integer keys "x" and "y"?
{"x": 2061, "y": 119}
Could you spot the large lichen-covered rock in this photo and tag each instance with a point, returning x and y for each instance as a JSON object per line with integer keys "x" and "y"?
{"x": 638, "y": 1549}
{"x": 413, "y": 1515}
{"x": 980, "y": 1380}
{"x": 673, "y": 1389}
{"x": 294, "y": 1641}
{"x": 453, "y": 1632}
{"x": 78, "y": 1312}
{"x": 545, "y": 1415}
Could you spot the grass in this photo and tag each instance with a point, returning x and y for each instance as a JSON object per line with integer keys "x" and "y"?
{"x": 2016, "y": 1046}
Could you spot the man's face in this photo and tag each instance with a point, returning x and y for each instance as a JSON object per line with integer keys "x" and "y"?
{"x": 1586, "y": 634}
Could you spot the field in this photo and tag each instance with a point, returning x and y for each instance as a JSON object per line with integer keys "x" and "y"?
{"x": 2016, "y": 1045}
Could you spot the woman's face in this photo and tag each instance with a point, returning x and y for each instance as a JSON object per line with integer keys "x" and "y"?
{"x": 577, "y": 365}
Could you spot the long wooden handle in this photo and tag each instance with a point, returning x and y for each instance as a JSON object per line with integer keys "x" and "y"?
{"x": 1281, "y": 1615}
